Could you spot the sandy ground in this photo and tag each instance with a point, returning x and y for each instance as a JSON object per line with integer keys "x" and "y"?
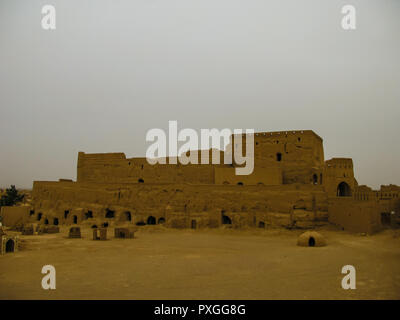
{"x": 163, "y": 263}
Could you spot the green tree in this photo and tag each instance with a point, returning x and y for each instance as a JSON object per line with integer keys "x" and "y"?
{"x": 11, "y": 197}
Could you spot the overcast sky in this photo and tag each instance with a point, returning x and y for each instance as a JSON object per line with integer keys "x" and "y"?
{"x": 114, "y": 69}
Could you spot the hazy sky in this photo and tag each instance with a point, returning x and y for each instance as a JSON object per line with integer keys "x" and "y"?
{"x": 114, "y": 69}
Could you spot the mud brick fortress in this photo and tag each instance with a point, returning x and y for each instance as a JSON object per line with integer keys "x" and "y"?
{"x": 291, "y": 186}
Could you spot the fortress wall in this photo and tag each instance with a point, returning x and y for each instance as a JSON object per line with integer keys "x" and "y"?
{"x": 265, "y": 176}
{"x": 354, "y": 215}
{"x": 339, "y": 170}
{"x": 117, "y": 169}
{"x": 299, "y": 154}
{"x": 249, "y": 203}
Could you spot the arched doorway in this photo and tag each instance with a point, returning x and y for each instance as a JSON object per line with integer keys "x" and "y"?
{"x": 261, "y": 224}
{"x": 110, "y": 214}
{"x": 75, "y": 219}
{"x": 151, "y": 220}
{"x": 39, "y": 216}
{"x": 311, "y": 242}
{"x": 343, "y": 190}
{"x": 46, "y": 221}
{"x": 225, "y": 219}
{"x": 161, "y": 221}
{"x": 55, "y": 221}
{"x": 10, "y": 245}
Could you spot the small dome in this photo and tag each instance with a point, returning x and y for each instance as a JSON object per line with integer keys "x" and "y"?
{"x": 311, "y": 239}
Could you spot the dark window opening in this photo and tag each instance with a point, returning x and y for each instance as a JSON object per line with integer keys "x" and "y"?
{"x": 261, "y": 224}
{"x": 279, "y": 156}
{"x": 315, "y": 179}
{"x": 94, "y": 226}
{"x": 39, "y": 216}
{"x": 31, "y": 212}
{"x": 105, "y": 224}
{"x": 46, "y": 221}
{"x": 66, "y": 213}
{"x": 225, "y": 219}
{"x": 311, "y": 242}
{"x": 10, "y": 245}
{"x": 151, "y": 220}
{"x": 75, "y": 219}
{"x": 55, "y": 221}
{"x": 141, "y": 180}
{"x": 88, "y": 214}
{"x": 240, "y": 183}
{"x": 110, "y": 213}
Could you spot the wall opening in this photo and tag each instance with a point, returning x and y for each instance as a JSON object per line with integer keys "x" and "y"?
{"x": 31, "y": 212}
{"x": 88, "y": 214}
{"x": 75, "y": 218}
{"x": 343, "y": 190}
{"x": 127, "y": 216}
{"x": 161, "y": 221}
{"x": 94, "y": 226}
{"x": 10, "y": 246}
{"x": 140, "y": 223}
{"x": 151, "y": 220}
{"x": 105, "y": 224}
{"x": 141, "y": 180}
{"x": 46, "y": 221}
{"x": 194, "y": 224}
{"x": 261, "y": 224}
{"x": 311, "y": 242}
{"x": 225, "y": 219}
{"x": 110, "y": 213}
{"x": 315, "y": 179}
{"x": 240, "y": 183}
{"x": 39, "y": 216}
{"x": 55, "y": 221}
{"x": 279, "y": 156}
{"x": 66, "y": 213}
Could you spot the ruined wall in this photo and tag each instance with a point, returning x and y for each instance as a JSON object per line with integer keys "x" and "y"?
{"x": 177, "y": 203}
{"x": 14, "y": 215}
{"x": 355, "y": 216}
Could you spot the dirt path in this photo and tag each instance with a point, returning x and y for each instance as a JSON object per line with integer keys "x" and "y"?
{"x": 203, "y": 264}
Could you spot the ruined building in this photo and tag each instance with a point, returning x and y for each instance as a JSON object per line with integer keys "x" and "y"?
{"x": 292, "y": 186}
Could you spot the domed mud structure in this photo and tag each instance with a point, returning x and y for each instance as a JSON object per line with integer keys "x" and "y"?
{"x": 311, "y": 239}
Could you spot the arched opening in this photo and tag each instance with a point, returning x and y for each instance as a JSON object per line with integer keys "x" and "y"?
{"x": 141, "y": 180}
{"x": 110, "y": 213}
{"x": 46, "y": 221}
{"x": 88, "y": 214}
{"x": 39, "y": 216}
{"x": 311, "y": 242}
{"x": 161, "y": 221}
{"x": 225, "y": 219}
{"x": 343, "y": 190}
{"x": 194, "y": 224}
{"x": 75, "y": 218}
{"x": 66, "y": 213}
{"x": 240, "y": 183}
{"x": 315, "y": 179}
{"x": 127, "y": 216}
{"x": 151, "y": 220}
{"x": 105, "y": 224}
{"x": 279, "y": 156}
{"x": 55, "y": 221}
{"x": 261, "y": 224}
{"x": 10, "y": 245}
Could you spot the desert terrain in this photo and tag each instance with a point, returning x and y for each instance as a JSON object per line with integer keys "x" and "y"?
{"x": 163, "y": 263}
